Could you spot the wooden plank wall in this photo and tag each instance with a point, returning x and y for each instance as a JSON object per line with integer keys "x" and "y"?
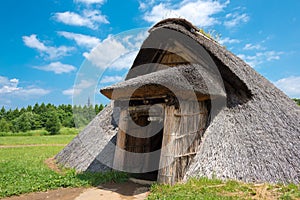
{"x": 183, "y": 129}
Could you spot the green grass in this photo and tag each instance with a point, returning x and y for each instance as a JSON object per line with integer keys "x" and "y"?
{"x": 216, "y": 189}
{"x": 27, "y": 133}
{"x": 26, "y": 140}
{"x": 22, "y": 170}
{"x": 68, "y": 131}
{"x": 42, "y": 132}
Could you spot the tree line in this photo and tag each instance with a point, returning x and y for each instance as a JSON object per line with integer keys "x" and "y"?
{"x": 48, "y": 117}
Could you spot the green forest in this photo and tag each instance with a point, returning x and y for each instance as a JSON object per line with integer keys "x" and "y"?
{"x": 48, "y": 117}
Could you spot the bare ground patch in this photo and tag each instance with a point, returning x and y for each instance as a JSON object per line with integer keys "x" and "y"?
{"x": 59, "y": 194}
{"x": 51, "y": 163}
{"x": 112, "y": 191}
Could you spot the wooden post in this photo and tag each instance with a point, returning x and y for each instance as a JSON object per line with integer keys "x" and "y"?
{"x": 119, "y": 156}
{"x": 167, "y": 165}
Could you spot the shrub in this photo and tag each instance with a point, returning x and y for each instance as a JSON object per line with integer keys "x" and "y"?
{"x": 53, "y": 124}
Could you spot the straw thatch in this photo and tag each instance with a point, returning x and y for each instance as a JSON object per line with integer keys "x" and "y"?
{"x": 181, "y": 80}
{"x": 255, "y": 138}
{"x": 93, "y": 142}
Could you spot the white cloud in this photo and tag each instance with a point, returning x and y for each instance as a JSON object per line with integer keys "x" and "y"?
{"x": 57, "y": 68}
{"x": 253, "y": 47}
{"x": 111, "y": 79}
{"x": 90, "y": 1}
{"x": 228, "y": 40}
{"x": 78, "y": 88}
{"x": 234, "y": 19}
{"x": 117, "y": 52}
{"x": 29, "y": 92}
{"x": 32, "y": 42}
{"x": 3, "y": 80}
{"x": 199, "y": 12}
{"x": 88, "y": 18}
{"x": 125, "y": 61}
{"x": 146, "y": 4}
{"x": 48, "y": 52}
{"x": 106, "y": 52}
{"x": 80, "y": 39}
{"x": 71, "y": 91}
{"x": 270, "y": 55}
{"x": 142, "y": 6}
{"x": 290, "y": 86}
{"x": 8, "y": 85}
{"x": 10, "y": 88}
{"x": 260, "y": 57}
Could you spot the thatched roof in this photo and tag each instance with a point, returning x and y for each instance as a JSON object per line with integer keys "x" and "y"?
{"x": 255, "y": 137}
{"x": 95, "y": 141}
{"x": 184, "y": 81}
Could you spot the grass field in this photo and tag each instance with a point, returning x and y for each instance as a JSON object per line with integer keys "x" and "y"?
{"x": 25, "y": 140}
{"x": 22, "y": 169}
{"x": 43, "y": 132}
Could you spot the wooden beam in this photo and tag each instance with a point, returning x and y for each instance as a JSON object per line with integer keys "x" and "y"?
{"x": 119, "y": 156}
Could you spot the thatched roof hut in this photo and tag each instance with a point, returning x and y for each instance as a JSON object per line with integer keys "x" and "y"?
{"x": 210, "y": 112}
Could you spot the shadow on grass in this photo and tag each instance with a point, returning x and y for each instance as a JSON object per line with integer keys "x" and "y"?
{"x": 95, "y": 179}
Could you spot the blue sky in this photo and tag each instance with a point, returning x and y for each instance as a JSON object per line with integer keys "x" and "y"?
{"x": 48, "y": 46}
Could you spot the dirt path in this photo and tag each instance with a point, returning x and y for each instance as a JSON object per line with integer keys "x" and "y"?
{"x": 123, "y": 191}
{"x": 126, "y": 191}
{"x": 31, "y": 145}
{"x": 60, "y": 194}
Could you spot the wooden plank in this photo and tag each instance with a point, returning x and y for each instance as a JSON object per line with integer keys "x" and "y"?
{"x": 119, "y": 156}
{"x": 188, "y": 138}
{"x": 166, "y": 173}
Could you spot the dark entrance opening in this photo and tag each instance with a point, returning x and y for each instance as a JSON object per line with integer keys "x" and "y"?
{"x": 142, "y": 133}
{"x": 154, "y": 143}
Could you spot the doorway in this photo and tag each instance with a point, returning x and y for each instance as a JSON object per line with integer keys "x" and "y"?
{"x": 141, "y": 132}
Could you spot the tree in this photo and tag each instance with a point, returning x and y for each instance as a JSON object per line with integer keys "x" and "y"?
{"x": 22, "y": 110}
{"x": 297, "y": 101}
{"x": 2, "y": 112}
{"x": 25, "y": 122}
{"x": 15, "y": 113}
{"x": 36, "y": 108}
{"x": 4, "y": 125}
{"x": 52, "y": 124}
{"x": 29, "y": 108}
{"x": 98, "y": 108}
{"x": 68, "y": 121}
{"x": 101, "y": 107}
{"x": 9, "y": 115}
